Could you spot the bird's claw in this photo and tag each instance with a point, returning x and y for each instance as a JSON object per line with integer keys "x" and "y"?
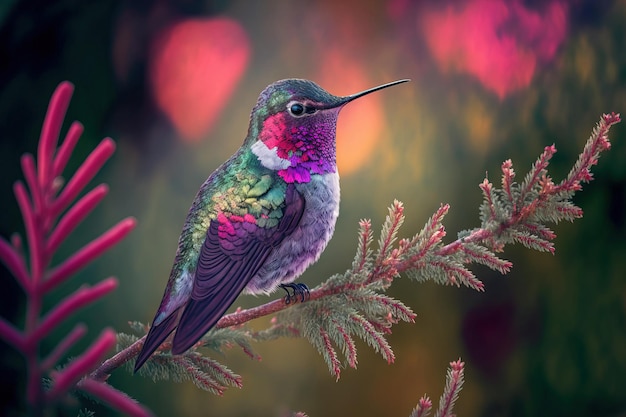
{"x": 299, "y": 290}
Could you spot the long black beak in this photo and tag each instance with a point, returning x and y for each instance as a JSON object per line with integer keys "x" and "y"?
{"x": 347, "y": 99}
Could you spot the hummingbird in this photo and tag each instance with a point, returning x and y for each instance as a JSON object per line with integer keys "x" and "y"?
{"x": 261, "y": 218}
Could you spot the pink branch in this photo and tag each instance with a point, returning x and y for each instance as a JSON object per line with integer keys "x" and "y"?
{"x": 80, "y": 298}
{"x": 478, "y": 235}
{"x": 230, "y": 320}
{"x": 89, "y": 252}
{"x": 79, "y": 367}
{"x": 116, "y": 399}
{"x": 117, "y": 360}
{"x": 51, "y": 128}
{"x": 83, "y": 175}
{"x": 243, "y": 316}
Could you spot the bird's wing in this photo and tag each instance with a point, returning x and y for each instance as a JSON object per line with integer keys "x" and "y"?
{"x": 231, "y": 255}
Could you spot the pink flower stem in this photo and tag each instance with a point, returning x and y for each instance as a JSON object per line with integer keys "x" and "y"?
{"x": 34, "y": 299}
{"x": 91, "y": 251}
{"x": 114, "y": 398}
{"x": 67, "y": 147}
{"x": 80, "y": 298}
{"x": 53, "y": 121}
{"x": 37, "y": 223}
{"x": 11, "y": 335}
{"x": 71, "y": 374}
{"x": 40, "y": 210}
{"x": 83, "y": 175}
{"x": 15, "y": 264}
{"x": 66, "y": 344}
{"x": 30, "y": 174}
{"x": 32, "y": 234}
{"x": 74, "y": 216}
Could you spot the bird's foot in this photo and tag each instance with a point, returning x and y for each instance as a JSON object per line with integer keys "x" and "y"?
{"x": 299, "y": 290}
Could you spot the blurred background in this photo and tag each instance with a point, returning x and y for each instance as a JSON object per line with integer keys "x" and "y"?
{"x": 173, "y": 82}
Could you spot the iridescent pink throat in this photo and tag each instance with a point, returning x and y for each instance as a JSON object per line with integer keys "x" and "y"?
{"x": 309, "y": 147}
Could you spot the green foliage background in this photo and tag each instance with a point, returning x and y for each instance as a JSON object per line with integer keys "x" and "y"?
{"x": 547, "y": 339}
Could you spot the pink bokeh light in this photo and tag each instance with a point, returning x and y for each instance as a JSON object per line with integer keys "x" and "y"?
{"x": 499, "y": 42}
{"x": 195, "y": 65}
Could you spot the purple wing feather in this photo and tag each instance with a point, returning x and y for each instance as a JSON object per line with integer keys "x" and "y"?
{"x": 156, "y": 335}
{"x": 225, "y": 266}
{"x": 219, "y": 279}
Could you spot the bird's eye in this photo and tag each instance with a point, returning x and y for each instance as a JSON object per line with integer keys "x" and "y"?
{"x": 296, "y": 109}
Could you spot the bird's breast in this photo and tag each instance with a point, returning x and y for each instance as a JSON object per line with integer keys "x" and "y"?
{"x": 305, "y": 245}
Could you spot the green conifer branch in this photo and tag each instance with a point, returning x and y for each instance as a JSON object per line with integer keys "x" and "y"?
{"x": 355, "y": 304}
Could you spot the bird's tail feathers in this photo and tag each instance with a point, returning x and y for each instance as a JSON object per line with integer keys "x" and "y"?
{"x": 156, "y": 335}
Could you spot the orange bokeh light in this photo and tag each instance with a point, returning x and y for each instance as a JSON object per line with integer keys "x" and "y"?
{"x": 194, "y": 67}
{"x": 361, "y": 122}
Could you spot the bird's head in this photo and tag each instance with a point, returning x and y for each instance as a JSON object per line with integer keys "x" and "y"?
{"x": 293, "y": 127}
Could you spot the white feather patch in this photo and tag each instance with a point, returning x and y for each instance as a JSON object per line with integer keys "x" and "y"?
{"x": 269, "y": 157}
